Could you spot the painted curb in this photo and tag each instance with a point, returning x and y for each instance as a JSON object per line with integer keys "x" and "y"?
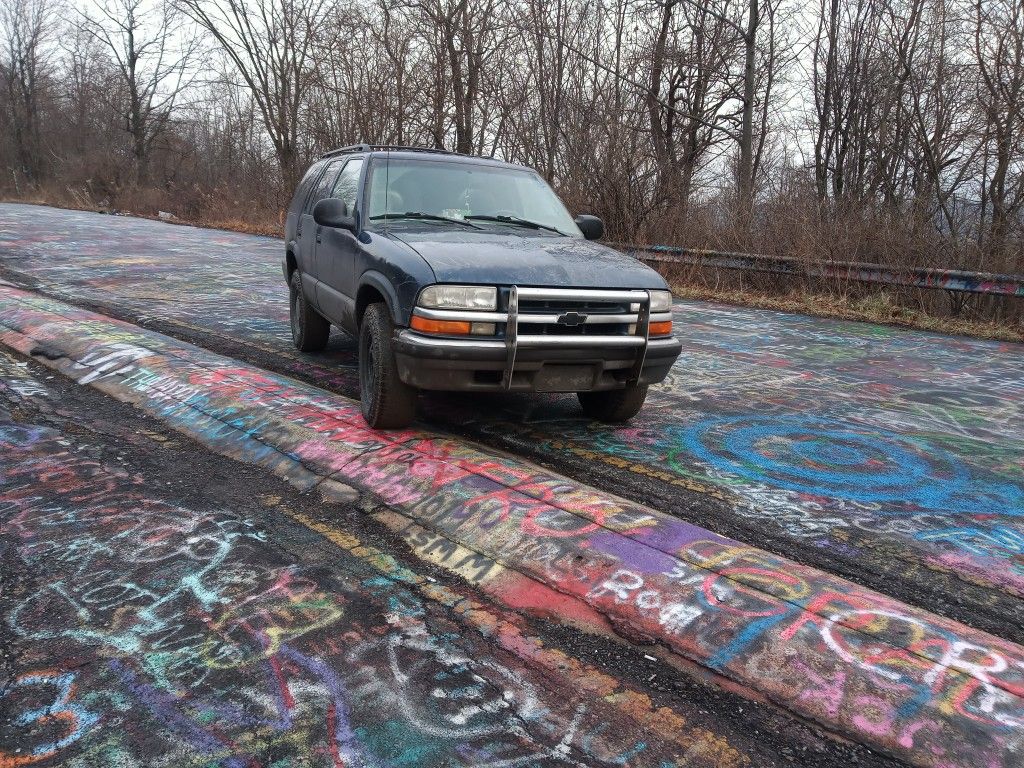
{"x": 909, "y": 683}
{"x": 146, "y": 632}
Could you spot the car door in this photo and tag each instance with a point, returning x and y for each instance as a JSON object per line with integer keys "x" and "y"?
{"x": 307, "y": 230}
{"x": 336, "y": 252}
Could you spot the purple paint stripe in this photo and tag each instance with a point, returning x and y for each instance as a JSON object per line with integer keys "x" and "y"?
{"x": 165, "y": 707}
{"x": 343, "y": 734}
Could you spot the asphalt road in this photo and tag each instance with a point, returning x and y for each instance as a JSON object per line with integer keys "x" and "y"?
{"x": 163, "y": 608}
{"x": 164, "y": 604}
{"x": 890, "y": 457}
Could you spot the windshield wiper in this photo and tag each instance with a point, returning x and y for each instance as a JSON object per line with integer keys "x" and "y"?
{"x": 424, "y": 216}
{"x": 518, "y": 221}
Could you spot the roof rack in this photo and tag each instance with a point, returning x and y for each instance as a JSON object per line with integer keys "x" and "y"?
{"x": 380, "y": 147}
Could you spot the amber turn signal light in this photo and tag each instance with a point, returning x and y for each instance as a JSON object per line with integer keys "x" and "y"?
{"x": 660, "y": 329}
{"x": 451, "y": 327}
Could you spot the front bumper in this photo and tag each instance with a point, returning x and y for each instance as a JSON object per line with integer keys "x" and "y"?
{"x": 535, "y": 350}
{"x": 480, "y": 365}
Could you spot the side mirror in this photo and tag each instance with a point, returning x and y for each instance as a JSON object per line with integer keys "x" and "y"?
{"x": 591, "y": 226}
{"x": 333, "y": 212}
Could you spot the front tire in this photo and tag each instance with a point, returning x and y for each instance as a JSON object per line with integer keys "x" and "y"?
{"x": 615, "y": 405}
{"x": 310, "y": 330}
{"x": 386, "y": 401}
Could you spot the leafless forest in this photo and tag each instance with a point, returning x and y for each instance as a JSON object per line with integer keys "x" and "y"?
{"x": 873, "y": 130}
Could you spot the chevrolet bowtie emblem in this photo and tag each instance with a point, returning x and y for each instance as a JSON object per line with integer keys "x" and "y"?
{"x": 572, "y": 319}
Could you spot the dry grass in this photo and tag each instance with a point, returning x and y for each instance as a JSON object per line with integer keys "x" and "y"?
{"x": 875, "y": 308}
{"x": 237, "y": 225}
{"x": 269, "y": 223}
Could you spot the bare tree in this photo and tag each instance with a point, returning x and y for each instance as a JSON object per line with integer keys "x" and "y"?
{"x": 761, "y": 66}
{"x": 272, "y": 45}
{"x": 464, "y": 35}
{"x": 25, "y": 24}
{"x": 154, "y": 53}
{"x": 690, "y": 96}
{"x": 745, "y": 174}
{"x": 999, "y": 51}
{"x": 931, "y": 92}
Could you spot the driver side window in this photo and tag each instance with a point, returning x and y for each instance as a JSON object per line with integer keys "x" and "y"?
{"x": 324, "y": 185}
{"x": 347, "y": 185}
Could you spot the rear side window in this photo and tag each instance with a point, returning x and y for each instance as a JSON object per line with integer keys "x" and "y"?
{"x": 347, "y": 185}
{"x": 302, "y": 191}
{"x": 325, "y": 184}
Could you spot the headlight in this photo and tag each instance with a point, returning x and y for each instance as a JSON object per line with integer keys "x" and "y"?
{"x": 459, "y": 297}
{"x": 661, "y": 301}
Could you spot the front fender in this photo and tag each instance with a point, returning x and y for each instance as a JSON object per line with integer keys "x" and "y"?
{"x": 376, "y": 280}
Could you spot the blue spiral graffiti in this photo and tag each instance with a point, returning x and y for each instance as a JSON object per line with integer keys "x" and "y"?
{"x": 832, "y": 459}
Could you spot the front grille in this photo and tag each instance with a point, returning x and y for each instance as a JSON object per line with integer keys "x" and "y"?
{"x": 561, "y": 307}
{"x": 602, "y": 320}
{"x": 565, "y": 305}
{"x": 553, "y": 329}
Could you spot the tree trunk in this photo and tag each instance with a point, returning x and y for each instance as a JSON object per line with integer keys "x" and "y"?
{"x": 746, "y": 168}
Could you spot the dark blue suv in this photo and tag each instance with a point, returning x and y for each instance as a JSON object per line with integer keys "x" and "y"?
{"x": 467, "y": 273}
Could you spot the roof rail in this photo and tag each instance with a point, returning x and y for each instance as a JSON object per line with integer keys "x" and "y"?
{"x": 345, "y": 150}
{"x": 378, "y": 147}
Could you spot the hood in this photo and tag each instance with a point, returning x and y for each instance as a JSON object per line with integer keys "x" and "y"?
{"x": 492, "y": 258}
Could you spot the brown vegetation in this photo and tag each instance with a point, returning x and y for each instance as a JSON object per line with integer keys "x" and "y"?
{"x": 868, "y": 305}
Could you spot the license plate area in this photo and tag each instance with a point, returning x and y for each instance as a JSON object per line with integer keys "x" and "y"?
{"x": 557, "y": 377}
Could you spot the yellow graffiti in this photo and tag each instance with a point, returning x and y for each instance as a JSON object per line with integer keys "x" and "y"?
{"x": 272, "y": 625}
{"x": 640, "y": 469}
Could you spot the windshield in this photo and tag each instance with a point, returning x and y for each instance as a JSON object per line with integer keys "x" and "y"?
{"x": 486, "y": 195}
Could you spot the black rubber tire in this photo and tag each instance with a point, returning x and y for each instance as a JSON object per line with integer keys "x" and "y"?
{"x": 386, "y": 401}
{"x": 614, "y": 405}
{"x": 310, "y": 330}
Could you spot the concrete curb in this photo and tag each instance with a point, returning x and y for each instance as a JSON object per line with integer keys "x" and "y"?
{"x": 907, "y": 682}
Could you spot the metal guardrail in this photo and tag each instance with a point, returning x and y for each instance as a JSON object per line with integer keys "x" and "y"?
{"x": 915, "y": 277}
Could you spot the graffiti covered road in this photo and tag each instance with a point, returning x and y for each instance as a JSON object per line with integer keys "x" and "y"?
{"x": 902, "y": 680}
{"x": 158, "y": 615}
{"x": 887, "y": 456}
